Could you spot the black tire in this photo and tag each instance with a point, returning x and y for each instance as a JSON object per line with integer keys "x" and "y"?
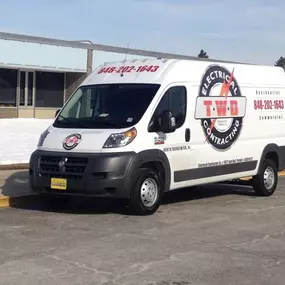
{"x": 136, "y": 204}
{"x": 261, "y": 185}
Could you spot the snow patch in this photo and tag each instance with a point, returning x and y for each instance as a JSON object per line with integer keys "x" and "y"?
{"x": 20, "y": 138}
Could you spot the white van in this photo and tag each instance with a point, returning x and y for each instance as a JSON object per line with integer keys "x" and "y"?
{"x": 137, "y": 129}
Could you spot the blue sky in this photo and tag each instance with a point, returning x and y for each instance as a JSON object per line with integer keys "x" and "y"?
{"x": 240, "y": 30}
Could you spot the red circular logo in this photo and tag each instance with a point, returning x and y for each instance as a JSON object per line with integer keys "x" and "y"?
{"x": 71, "y": 141}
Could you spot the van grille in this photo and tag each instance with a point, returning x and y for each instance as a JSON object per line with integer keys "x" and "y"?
{"x": 63, "y": 167}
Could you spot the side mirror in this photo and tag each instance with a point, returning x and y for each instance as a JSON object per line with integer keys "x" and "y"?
{"x": 56, "y": 113}
{"x": 167, "y": 122}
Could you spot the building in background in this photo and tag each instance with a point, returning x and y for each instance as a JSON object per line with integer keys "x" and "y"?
{"x": 27, "y": 92}
{"x": 37, "y": 75}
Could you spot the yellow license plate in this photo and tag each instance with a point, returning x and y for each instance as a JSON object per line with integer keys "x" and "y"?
{"x": 58, "y": 183}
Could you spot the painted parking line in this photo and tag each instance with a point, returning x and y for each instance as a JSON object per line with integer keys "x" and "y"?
{"x": 6, "y": 201}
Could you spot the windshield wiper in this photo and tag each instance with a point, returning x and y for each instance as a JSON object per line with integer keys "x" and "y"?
{"x": 72, "y": 122}
{"x": 68, "y": 120}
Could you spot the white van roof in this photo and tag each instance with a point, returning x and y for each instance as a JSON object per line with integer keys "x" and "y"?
{"x": 177, "y": 70}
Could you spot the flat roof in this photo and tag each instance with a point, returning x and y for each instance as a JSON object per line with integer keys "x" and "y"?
{"x": 40, "y": 68}
{"x": 88, "y": 45}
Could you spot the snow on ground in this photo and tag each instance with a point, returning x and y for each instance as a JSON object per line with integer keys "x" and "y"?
{"x": 20, "y": 138}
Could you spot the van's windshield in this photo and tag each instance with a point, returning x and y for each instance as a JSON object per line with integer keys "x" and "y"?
{"x": 106, "y": 106}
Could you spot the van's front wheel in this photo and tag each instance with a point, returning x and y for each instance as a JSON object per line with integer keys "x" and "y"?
{"x": 146, "y": 193}
{"x": 265, "y": 183}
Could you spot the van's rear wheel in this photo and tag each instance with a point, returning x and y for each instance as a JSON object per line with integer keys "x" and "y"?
{"x": 146, "y": 193}
{"x": 265, "y": 183}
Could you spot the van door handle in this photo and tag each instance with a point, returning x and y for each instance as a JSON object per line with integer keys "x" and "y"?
{"x": 187, "y": 135}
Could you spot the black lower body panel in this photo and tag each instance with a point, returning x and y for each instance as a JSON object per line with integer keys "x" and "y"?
{"x": 98, "y": 175}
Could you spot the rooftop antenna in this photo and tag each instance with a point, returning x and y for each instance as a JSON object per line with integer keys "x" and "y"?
{"x": 122, "y": 74}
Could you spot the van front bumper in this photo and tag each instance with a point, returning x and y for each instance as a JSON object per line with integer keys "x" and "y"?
{"x": 86, "y": 174}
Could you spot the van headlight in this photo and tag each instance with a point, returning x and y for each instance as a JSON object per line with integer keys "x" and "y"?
{"x": 42, "y": 138}
{"x": 120, "y": 139}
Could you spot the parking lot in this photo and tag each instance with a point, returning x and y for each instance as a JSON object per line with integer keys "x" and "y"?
{"x": 215, "y": 234}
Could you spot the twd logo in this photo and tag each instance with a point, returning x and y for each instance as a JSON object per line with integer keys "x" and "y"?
{"x": 220, "y": 107}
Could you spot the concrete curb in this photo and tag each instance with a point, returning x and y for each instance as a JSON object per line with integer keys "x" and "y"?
{"x": 14, "y": 166}
{"x": 21, "y": 200}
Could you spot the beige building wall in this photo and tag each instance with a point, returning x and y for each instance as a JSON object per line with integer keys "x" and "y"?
{"x": 45, "y": 113}
{"x": 8, "y": 112}
{"x": 26, "y": 112}
{"x": 40, "y": 113}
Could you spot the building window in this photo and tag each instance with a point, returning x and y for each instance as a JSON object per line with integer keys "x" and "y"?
{"x": 22, "y": 88}
{"x": 30, "y": 88}
{"x": 49, "y": 89}
{"x": 8, "y": 87}
{"x": 26, "y": 88}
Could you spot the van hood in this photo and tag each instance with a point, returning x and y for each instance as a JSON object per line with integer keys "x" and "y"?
{"x": 81, "y": 140}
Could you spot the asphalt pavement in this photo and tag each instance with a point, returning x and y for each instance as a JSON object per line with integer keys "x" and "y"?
{"x": 14, "y": 183}
{"x": 215, "y": 234}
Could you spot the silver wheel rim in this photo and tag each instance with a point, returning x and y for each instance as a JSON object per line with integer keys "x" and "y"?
{"x": 269, "y": 178}
{"x": 149, "y": 192}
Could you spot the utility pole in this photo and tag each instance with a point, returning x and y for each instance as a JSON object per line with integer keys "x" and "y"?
{"x": 89, "y": 61}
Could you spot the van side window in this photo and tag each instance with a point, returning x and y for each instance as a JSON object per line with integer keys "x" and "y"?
{"x": 174, "y": 100}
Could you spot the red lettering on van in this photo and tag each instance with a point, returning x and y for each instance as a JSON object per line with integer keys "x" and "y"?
{"x": 221, "y": 107}
{"x": 234, "y": 107}
{"x": 208, "y": 104}
{"x": 127, "y": 69}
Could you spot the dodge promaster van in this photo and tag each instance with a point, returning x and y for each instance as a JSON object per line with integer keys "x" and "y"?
{"x": 137, "y": 129}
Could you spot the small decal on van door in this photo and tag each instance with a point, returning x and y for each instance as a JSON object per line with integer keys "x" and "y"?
{"x": 221, "y": 107}
{"x": 159, "y": 140}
